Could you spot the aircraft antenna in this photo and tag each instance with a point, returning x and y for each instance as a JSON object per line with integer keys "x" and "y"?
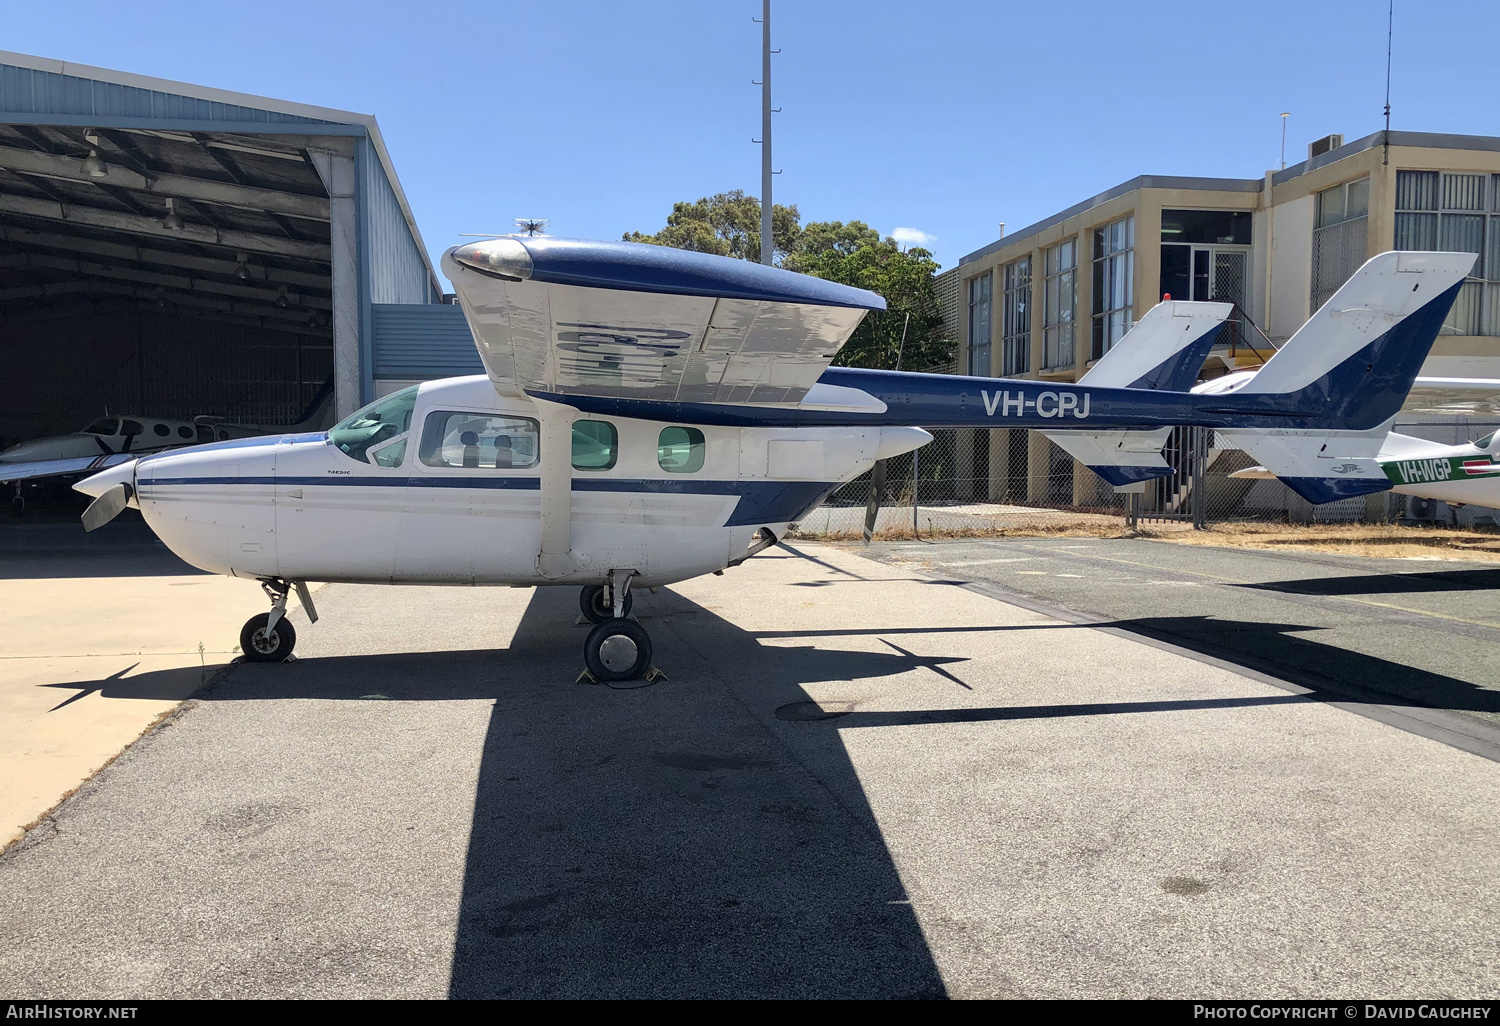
{"x": 767, "y": 241}
{"x": 1390, "y": 24}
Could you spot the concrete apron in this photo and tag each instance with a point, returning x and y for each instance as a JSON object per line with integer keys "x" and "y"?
{"x": 74, "y": 646}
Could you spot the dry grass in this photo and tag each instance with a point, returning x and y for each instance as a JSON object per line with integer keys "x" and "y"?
{"x": 1390, "y": 541}
{"x": 1106, "y": 527}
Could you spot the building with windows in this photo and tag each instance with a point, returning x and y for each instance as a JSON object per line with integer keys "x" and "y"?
{"x": 1277, "y": 246}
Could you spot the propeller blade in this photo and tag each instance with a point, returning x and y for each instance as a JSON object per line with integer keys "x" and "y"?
{"x": 106, "y": 507}
{"x": 877, "y": 493}
{"x": 100, "y": 442}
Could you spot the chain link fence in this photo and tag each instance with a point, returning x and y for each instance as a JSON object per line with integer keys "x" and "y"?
{"x": 976, "y": 482}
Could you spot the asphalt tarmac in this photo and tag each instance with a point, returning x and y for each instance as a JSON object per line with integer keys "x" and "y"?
{"x": 859, "y": 780}
{"x": 1419, "y": 633}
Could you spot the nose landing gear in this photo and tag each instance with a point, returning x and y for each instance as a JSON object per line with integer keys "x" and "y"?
{"x": 270, "y": 637}
{"x": 617, "y": 648}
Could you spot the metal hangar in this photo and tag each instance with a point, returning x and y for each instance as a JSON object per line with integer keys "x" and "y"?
{"x": 178, "y": 250}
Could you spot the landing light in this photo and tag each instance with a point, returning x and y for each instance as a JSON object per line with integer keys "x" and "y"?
{"x": 506, "y": 258}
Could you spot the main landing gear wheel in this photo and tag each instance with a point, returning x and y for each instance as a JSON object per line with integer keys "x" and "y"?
{"x": 595, "y": 609}
{"x": 262, "y": 647}
{"x": 617, "y": 650}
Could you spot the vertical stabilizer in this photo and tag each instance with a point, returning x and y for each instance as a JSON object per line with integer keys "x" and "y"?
{"x": 1353, "y": 363}
{"x": 1164, "y": 350}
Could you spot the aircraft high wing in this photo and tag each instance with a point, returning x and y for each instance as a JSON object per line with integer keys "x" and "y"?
{"x": 566, "y": 317}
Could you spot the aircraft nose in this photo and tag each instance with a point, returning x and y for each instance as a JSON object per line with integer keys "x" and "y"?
{"x": 101, "y": 482}
{"x": 504, "y": 257}
{"x": 896, "y": 440}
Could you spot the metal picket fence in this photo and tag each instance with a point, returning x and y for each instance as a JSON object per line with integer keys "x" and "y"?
{"x": 974, "y": 482}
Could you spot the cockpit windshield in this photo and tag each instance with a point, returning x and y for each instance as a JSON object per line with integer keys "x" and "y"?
{"x": 102, "y": 426}
{"x": 381, "y": 421}
{"x": 1487, "y": 441}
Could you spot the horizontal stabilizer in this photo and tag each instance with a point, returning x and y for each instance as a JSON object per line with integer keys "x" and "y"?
{"x": 1320, "y": 466}
{"x": 1119, "y": 457}
{"x": 1164, "y": 350}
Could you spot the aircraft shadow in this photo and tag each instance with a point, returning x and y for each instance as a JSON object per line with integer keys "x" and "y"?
{"x": 1283, "y": 651}
{"x": 1386, "y": 584}
{"x": 657, "y": 842}
{"x": 110, "y": 559}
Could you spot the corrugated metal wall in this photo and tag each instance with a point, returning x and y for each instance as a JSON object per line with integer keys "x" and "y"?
{"x": 397, "y": 272}
{"x": 26, "y": 91}
{"x": 62, "y": 372}
{"x": 422, "y": 342}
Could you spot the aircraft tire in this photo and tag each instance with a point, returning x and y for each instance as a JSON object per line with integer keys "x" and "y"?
{"x": 591, "y": 603}
{"x": 258, "y": 648}
{"x": 617, "y": 650}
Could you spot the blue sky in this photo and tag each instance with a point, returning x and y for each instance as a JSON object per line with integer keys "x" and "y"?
{"x": 943, "y": 118}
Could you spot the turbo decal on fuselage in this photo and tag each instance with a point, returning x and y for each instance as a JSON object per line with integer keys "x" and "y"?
{"x": 1046, "y": 404}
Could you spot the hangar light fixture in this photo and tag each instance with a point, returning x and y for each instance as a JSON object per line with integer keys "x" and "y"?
{"x": 281, "y": 298}
{"x": 92, "y": 165}
{"x": 172, "y": 222}
{"x": 242, "y": 269}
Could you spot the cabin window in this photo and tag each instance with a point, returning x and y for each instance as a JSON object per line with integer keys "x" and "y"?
{"x": 391, "y": 454}
{"x": 478, "y": 441}
{"x": 595, "y": 445}
{"x": 184, "y": 432}
{"x": 102, "y": 427}
{"x": 161, "y": 429}
{"x": 379, "y": 422}
{"x": 132, "y": 428}
{"x": 679, "y": 450}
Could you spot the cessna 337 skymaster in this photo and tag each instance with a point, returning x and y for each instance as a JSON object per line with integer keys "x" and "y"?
{"x": 650, "y": 415}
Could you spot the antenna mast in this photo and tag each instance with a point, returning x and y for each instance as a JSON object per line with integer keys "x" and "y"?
{"x": 767, "y": 242}
{"x": 1390, "y": 24}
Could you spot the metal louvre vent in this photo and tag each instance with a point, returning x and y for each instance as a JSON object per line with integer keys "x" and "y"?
{"x": 1324, "y": 145}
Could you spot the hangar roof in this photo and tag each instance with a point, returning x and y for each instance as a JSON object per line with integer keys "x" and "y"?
{"x": 65, "y": 93}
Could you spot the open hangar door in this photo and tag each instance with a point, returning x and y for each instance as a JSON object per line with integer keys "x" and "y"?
{"x": 173, "y": 274}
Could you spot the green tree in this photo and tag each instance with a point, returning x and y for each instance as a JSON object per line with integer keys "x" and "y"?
{"x": 726, "y": 224}
{"x": 909, "y": 332}
{"x": 849, "y": 252}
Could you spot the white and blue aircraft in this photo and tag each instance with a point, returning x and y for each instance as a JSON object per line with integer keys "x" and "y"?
{"x": 650, "y": 415}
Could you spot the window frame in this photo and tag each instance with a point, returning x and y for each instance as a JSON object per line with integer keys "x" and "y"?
{"x": 1015, "y": 329}
{"x": 423, "y": 462}
{"x": 1058, "y": 317}
{"x": 1476, "y": 311}
{"x": 1328, "y": 274}
{"x": 700, "y": 447}
{"x": 979, "y": 353}
{"x": 385, "y": 400}
{"x": 401, "y": 440}
{"x": 614, "y": 446}
{"x": 1114, "y": 270}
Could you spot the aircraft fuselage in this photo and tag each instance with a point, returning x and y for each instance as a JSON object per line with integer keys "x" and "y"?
{"x": 460, "y": 502}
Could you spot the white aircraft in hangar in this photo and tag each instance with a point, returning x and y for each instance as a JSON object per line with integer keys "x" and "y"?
{"x": 650, "y": 415}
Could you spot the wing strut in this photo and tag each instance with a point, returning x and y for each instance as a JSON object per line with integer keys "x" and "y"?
{"x": 557, "y": 558}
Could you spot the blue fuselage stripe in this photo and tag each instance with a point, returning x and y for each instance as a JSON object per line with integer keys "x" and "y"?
{"x": 760, "y": 501}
